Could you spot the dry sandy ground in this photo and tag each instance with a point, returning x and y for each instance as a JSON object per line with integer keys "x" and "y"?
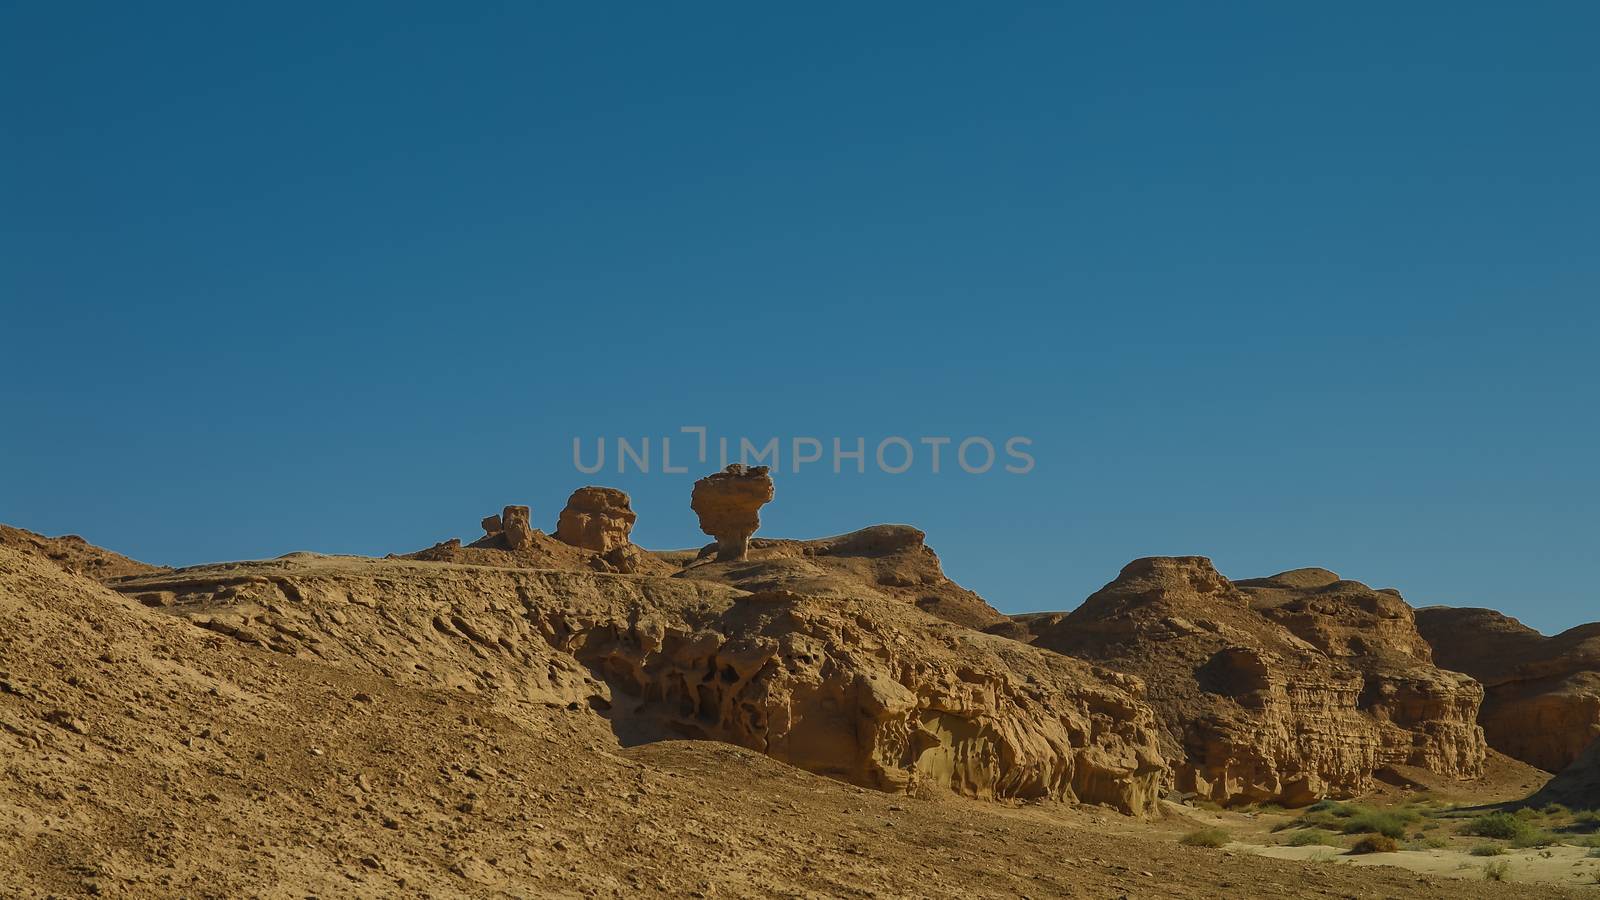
{"x": 145, "y": 757}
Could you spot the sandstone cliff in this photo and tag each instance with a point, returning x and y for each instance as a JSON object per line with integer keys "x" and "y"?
{"x": 1542, "y": 702}
{"x": 1250, "y": 710}
{"x": 1426, "y": 716}
{"x": 866, "y": 689}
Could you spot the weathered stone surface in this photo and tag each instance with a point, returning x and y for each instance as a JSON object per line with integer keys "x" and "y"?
{"x": 491, "y": 525}
{"x": 1426, "y": 716}
{"x": 515, "y": 527}
{"x": 873, "y": 691}
{"x": 1250, "y": 710}
{"x": 891, "y": 561}
{"x": 729, "y": 504}
{"x": 596, "y": 518}
{"x": 1542, "y": 702}
{"x": 74, "y": 554}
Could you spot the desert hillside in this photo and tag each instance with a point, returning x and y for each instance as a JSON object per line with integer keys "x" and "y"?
{"x": 566, "y": 714}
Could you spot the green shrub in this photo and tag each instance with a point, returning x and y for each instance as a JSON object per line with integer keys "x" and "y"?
{"x": 1309, "y": 837}
{"x": 1205, "y": 837}
{"x": 1496, "y": 871}
{"x": 1322, "y": 806}
{"x": 1534, "y": 839}
{"x": 1388, "y": 824}
{"x": 1588, "y": 817}
{"x": 1375, "y": 843}
{"x": 1487, "y": 850}
{"x": 1527, "y": 812}
{"x": 1498, "y": 825}
{"x": 1423, "y": 842}
{"x": 1556, "y": 809}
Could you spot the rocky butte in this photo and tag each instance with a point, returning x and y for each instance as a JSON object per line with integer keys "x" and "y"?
{"x": 1272, "y": 695}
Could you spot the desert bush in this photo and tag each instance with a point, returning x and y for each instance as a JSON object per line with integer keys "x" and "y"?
{"x": 1424, "y": 842}
{"x": 1310, "y": 837}
{"x": 1534, "y": 838}
{"x": 1556, "y": 809}
{"x": 1388, "y": 824}
{"x": 1375, "y": 843}
{"x": 1496, "y": 871}
{"x": 1487, "y": 850}
{"x": 1322, "y": 806}
{"x": 1205, "y": 837}
{"x": 1498, "y": 825}
{"x": 1588, "y": 817}
{"x": 1526, "y": 812}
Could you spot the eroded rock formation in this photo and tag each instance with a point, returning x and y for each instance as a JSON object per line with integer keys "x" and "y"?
{"x": 1250, "y": 710}
{"x": 871, "y": 691}
{"x": 892, "y": 561}
{"x": 1542, "y": 702}
{"x": 516, "y": 529}
{"x": 729, "y": 504}
{"x": 596, "y": 518}
{"x": 1425, "y": 716}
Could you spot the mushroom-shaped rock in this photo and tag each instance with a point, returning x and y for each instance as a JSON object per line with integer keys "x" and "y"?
{"x": 596, "y": 518}
{"x": 728, "y": 504}
{"x": 515, "y": 525}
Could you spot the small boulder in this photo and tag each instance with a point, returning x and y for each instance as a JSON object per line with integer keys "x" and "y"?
{"x": 596, "y": 518}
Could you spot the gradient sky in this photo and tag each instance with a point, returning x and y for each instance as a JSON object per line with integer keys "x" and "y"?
{"x": 1279, "y": 284}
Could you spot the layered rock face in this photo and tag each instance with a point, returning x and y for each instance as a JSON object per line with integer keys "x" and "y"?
{"x": 890, "y": 561}
{"x": 1426, "y": 716}
{"x": 596, "y": 518}
{"x": 729, "y": 504}
{"x": 1542, "y": 702}
{"x": 869, "y": 690}
{"x": 1250, "y": 710}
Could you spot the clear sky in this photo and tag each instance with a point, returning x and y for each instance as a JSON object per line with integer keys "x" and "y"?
{"x": 1282, "y": 284}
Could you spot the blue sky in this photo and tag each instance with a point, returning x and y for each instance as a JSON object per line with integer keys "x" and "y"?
{"x": 1278, "y": 284}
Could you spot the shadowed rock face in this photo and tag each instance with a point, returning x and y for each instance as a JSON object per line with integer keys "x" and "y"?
{"x": 1577, "y": 785}
{"x": 870, "y": 690}
{"x": 728, "y": 504}
{"x": 596, "y": 518}
{"x": 1542, "y": 701}
{"x": 1250, "y": 710}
